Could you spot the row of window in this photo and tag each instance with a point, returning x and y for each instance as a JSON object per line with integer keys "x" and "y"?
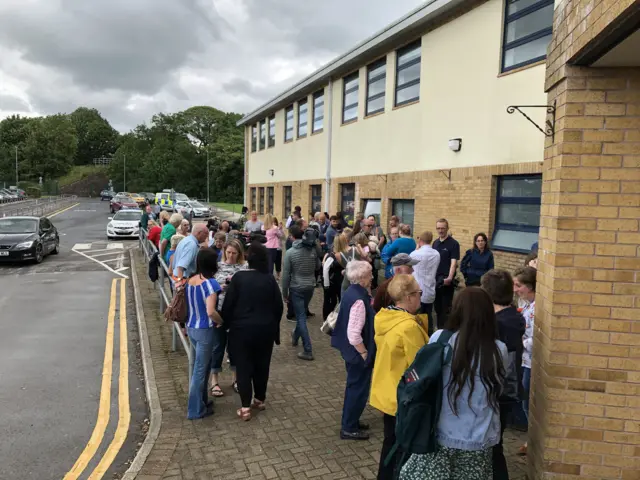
{"x": 527, "y": 33}
{"x": 517, "y": 221}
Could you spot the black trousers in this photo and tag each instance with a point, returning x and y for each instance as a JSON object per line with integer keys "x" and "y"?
{"x": 331, "y": 299}
{"x": 442, "y": 303}
{"x": 388, "y": 472}
{"x": 500, "y": 470}
{"x": 252, "y": 355}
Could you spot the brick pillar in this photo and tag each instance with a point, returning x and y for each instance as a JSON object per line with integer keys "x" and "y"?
{"x": 585, "y": 401}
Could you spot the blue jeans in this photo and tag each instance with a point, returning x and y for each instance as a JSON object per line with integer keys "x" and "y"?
{"x": 201, "y": 348}
{"x": 300, "y": 300}
{"x": 356, "y": 394}
{"x": 220, "y": 342}
{"x": 526, "y": 383}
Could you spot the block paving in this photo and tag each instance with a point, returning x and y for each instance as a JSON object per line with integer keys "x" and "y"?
{"x": 297, "y": 437}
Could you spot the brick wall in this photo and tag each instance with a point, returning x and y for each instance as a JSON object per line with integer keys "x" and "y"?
{"x": 464, "y": 196}
{"x": 585, "y": 407}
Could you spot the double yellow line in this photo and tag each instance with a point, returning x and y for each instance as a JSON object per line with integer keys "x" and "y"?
{"x": 104, "y": 409}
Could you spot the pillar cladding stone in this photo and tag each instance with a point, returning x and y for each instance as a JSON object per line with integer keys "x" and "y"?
{"x": 584, "y": 407}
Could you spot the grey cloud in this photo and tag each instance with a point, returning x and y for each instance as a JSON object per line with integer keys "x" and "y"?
{"x": 13, "y": 104}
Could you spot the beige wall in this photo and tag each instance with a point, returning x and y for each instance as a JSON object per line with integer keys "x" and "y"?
{"x": 462, "y": 96}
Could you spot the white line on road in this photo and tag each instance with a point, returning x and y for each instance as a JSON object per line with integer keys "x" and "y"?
{"x": 120, "y": 263}
{"x": 113, "y": 246}
{"x": 99, "y": 262}
{"x": 82, "y": 246}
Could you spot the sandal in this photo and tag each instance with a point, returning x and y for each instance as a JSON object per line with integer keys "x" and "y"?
{"x": 234, "y": 385}
{"x": 258, "y": 405}
{"x": 244, "y": 414}
{"x": 216, "y": 391}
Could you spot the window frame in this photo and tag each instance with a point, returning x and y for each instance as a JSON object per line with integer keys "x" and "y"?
{"x": 260, "y": 200}
{"x": 271, "y": 136}
{"x": 346, "y": 79}
{"x": 500, "y": 200}
{"x": 303, "y": 102}
{"x": 262, "y": 134}
{"x": 253, "y": 199}
{"x": 343, "y": 198}
{"x": 270, "y": 199}
{"x": 286, "y": 123}
{"x": 540, "y": 4}
{"x": 312, "y": 190}
{"x": 254, "y": 138}
{"x": 383, "y": 76}
{"x": 398, "y": 88}
{"x": 317, "y": 95}
{"x": 287, "y": 189}
{"x": 394, "y": 201}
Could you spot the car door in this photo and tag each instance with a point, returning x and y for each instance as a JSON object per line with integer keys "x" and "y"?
{"x": 48, "y": 235}
{"x": 44, "y": 235}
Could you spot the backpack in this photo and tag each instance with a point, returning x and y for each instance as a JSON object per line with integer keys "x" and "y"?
{"x": 420, "y": 398}
{"x": 154, "y": 262}
{"x": 177, "y": 310}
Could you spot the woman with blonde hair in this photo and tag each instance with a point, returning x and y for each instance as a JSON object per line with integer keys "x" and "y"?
{"x": 398, "y": 337}
{"x": 232, "y": 262}
{"x": 274, "y": 234}
{"x": 332, "y": 272}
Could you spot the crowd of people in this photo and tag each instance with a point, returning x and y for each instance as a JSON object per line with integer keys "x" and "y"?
{"x": 238, "y": 281}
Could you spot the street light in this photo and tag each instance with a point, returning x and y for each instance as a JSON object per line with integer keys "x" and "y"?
{"x": 208, "y": 201}
{"x": 16, "y": 166}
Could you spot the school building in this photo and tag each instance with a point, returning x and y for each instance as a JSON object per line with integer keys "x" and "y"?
{"x": 517, "y": 118}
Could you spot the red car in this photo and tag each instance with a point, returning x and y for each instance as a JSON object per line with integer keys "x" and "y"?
{"x": 119, "y": 203}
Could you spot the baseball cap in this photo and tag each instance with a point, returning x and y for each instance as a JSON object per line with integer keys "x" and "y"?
{"x": 403, "y": 259}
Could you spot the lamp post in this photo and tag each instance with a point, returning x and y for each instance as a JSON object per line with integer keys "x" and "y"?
{"x": 16, "y": 166}
{"x": 125, "y": 174}
{"x": 208, "y": 200}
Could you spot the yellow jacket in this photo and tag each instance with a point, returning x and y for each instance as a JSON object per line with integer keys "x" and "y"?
{"x": 398, "y": 338}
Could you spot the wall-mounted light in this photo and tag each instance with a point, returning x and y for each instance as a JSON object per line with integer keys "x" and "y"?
{"x": 455, "y": 144}
{"x": 271, "y": 172}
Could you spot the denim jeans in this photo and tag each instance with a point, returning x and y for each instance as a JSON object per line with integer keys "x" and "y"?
{"x": 356, "y": 394}
{"x": 220, "y": 336}
{"x": 300, "y": 300}
{"x": 201, "y": 348}
{"x": 526, "y": 383}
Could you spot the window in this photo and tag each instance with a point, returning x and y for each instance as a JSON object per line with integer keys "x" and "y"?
{"x": 517, "y": 212}
{"x": 286, "y": 209}
{"x": 261, "y": 200}
{"x": 372, "y": 207}
{"x": 270, "y": 200}
{"x": 403, "y": 209}
{"x": 408, "y": 73}
{"x": 350, "y": 87}
{"x": 263, "y": 134}
{"x": 316, "y": 199}
{"x": 303, "y": 111}
{"x": 288, "y": 124}
{"x": 253, "y": 199}
{"x": 527, "y": 32}
{"x": 348, "y": 201}
{"x": 376, "y": 80}
{"x": 318, "y": 111}
{"x": 272, "y": 131}
{"x": 254, "y": 138}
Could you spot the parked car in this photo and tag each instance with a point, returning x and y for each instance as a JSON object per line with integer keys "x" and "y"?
{"x": 138, "y": 198}
{"x": 107, "y": 195}
{"x": 27, "y": 239}
{"x": 9, "y": 195}
{"x": 120, "y": 202}
{"x": 198, "y": 209}
{"x": 124, "y": 224}
{"x": 148, "y": 196}
{"x": 21, "y": 194}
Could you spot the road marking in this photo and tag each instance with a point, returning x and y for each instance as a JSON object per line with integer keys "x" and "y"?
{"x": 82, "y": 246}
{"x": 62, "y": 211}
{"x": 99, "y": 262}
{"x": 124, "y": 411}
{"x": 105, "y": 396}
{"x": 120, "y": 262}
{"x": 113, "y": 246}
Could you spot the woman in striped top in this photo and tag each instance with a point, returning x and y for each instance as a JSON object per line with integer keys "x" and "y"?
{"x": 202, "y": 296}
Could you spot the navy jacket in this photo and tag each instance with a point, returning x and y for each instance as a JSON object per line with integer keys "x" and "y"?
{"x": 475, "y": 264}
{"x": 339, "y": 337}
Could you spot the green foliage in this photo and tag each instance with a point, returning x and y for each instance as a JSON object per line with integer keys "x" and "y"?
{"x": 96, "y": 137}
{"x": 78, "y": 172}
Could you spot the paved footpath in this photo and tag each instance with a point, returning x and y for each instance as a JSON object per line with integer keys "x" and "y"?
{"x": 295, "y": 438}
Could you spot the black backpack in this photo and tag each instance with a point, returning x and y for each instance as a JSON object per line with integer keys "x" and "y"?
{"x": 420, "y": 398}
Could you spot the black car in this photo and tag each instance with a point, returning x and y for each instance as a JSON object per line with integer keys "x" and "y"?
{"x": 107, "y": 195}
{"x": 27, "y": 239}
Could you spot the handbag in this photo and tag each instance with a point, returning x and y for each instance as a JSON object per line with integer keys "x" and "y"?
{"x": 177, "y": 310}
{"x": 330, "y": 323}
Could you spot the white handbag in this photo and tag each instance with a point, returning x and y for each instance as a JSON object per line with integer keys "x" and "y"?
{"x": 330, "y": 323}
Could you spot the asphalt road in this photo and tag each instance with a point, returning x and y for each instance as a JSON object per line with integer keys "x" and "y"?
{"x": 56, "y": 318}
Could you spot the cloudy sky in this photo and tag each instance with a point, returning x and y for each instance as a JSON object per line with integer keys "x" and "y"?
{"x": 133, "y": 58}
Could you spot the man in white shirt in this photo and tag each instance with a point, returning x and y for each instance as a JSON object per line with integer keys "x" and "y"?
{"x": 425, "y": 273}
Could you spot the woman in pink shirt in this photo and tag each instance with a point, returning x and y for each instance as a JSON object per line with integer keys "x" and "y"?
{"x": 274, "y": 235}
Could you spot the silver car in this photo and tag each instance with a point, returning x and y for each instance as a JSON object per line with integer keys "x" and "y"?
{"x": 198, "y": 209}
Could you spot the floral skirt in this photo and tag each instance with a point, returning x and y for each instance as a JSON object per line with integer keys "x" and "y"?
{"x": 449, "y": 464}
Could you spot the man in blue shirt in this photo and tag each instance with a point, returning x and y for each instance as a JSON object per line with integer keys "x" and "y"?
{"x": 184, "y": 260}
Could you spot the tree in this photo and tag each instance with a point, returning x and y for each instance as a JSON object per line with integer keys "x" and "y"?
{"x": 96, "y": 137}
{"x": 51, "y": 147}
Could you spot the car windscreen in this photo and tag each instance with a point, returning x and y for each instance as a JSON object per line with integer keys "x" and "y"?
{"x": 181, "y": 197}
{"x": 127, "y": 216}
{"x": 18, "y": 225}
{"x": 122, "y": 200}
{"x": 197, "y": 205}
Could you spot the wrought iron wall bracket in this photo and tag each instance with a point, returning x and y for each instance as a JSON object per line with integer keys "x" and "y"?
{"x": 549, "y": 129}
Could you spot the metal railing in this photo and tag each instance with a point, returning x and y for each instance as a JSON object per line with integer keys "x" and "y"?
{"x": 39, "y": 207}
{"x": 149, "y": 249}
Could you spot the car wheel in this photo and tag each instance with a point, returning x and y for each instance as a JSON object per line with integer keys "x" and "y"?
{"x": 56, "y": 249}
{"x": 39, "y": 253}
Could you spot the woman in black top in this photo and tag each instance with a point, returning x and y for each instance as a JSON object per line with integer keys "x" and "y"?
{"x": 252, "y": 311}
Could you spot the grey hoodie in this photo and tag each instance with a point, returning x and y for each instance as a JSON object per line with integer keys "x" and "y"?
{"x": 300, "y": 263}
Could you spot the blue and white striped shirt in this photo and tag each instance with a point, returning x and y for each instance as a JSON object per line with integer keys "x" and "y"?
{"x": 197, "y": 303}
